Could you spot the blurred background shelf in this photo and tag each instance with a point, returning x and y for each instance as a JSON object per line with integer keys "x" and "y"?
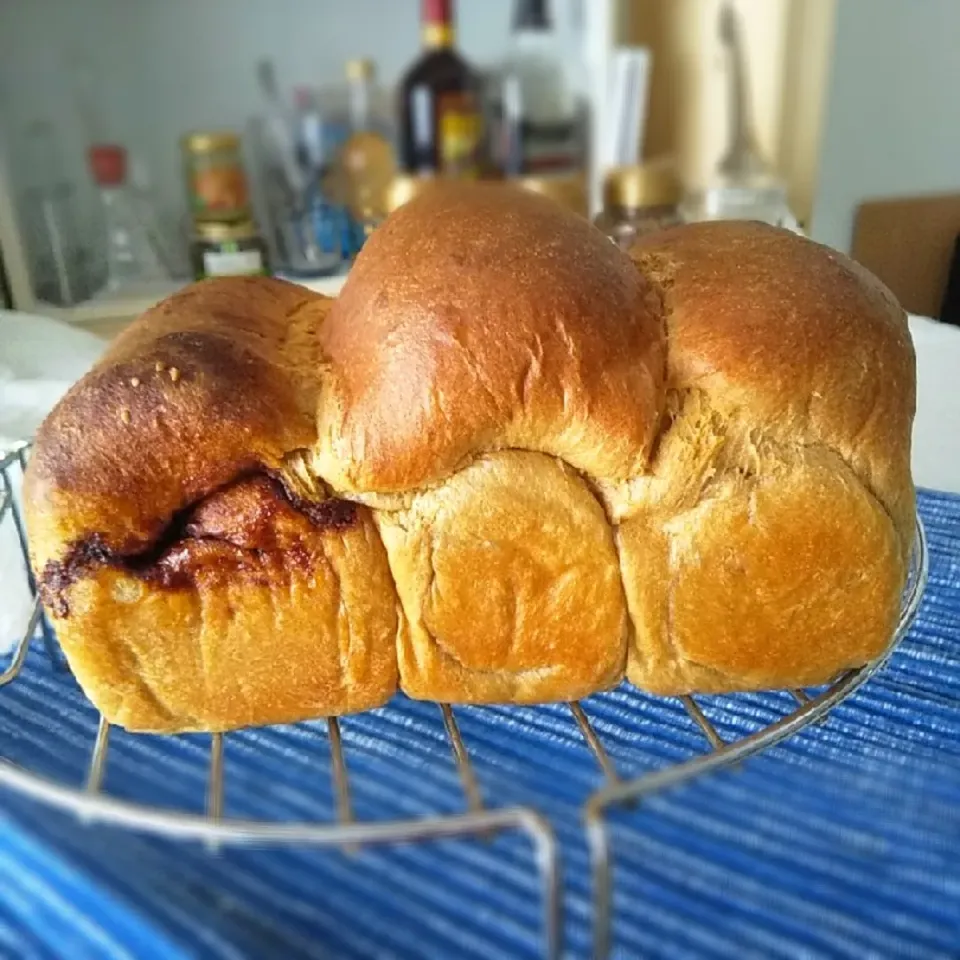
{"x": 60, "y": 76}
{"x": 848, "y": 104}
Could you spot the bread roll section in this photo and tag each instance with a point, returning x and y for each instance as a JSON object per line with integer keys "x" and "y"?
{"x": 767, "y": 543}
{"x": 257, "y": 612}
{"x": 508, "y": 464}
{"x": 734, "y": 593}
{"x": 510, "y": 586}
{"x": 480, "y": 318}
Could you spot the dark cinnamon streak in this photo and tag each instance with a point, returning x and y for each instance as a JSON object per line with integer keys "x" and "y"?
{"x": 58, "y": 576}
{"x": 184, "y": 547}
{"x": 333, "y": 514}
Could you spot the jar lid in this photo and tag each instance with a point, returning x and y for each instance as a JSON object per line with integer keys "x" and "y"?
{"x": 206, "y": 141}
{"x": 402, "y": 189}
{"x": 108, "y": 163}
{"x": 568, "y": 189}
{"x": 219, "y": 232}
{"x": 652, "y": 184}
{"x": 360, "y": 69}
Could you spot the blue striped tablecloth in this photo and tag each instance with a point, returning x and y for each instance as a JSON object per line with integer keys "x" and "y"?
{"x": 845, "y": 842}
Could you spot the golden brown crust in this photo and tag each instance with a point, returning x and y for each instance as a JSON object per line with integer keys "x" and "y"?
{"x": 209, "y": 383}
{"x": 767, "y": 545}
{"x": 798, "y": 340}
{"x": 551, "y": 463}
{"x": 482, "y": 317}
{"x": 173, "y": 581}
{"x": 778, "y": 577}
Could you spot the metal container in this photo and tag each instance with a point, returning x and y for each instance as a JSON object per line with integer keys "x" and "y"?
{"x": 638, "y": 200}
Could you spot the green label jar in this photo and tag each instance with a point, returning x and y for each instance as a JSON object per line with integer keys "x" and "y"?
{"x": 215, "y": 179}
{"x": 228, "y": 250}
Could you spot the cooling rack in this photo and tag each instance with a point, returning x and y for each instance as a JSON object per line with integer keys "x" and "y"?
{"x": 93, "y": 803}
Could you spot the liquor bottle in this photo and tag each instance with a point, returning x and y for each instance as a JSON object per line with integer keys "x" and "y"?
{"x": 366, "y": 161}
{"x": 441, "y": 127}
{"x": 538, "y": 110}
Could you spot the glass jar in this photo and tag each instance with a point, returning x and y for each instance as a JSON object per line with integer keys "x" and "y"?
{"x": 228, "y": 250}
{"x": 756, "y": 196}
{"x": 638, "y": 200}
{"x": 215, "y": 178}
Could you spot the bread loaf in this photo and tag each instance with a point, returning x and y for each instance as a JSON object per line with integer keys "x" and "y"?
{"x": 509, "y": 463}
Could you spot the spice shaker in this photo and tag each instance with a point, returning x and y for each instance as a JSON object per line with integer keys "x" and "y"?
{"x": 639, "y": 199}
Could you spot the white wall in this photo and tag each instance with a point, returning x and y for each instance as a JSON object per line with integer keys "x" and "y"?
{"x": 162, "y": 67}
{"x": 893, "y": 108}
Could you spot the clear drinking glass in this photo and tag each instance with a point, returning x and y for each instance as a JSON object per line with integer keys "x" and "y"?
{"x": 761, "y": 197}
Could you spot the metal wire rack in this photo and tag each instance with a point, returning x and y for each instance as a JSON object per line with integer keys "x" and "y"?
{"x": 91, "y": 803}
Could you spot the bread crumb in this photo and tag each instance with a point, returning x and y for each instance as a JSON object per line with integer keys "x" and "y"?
{"x": 127, "y": 591}
{"x": 124, "y": 415}
{"x": 174, "y": 374}
{"x": 158, "y": 366}
{"x": 134, "y": 381}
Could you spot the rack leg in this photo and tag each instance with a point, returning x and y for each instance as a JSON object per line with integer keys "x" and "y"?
{"x": 215, "y": 786}
{"x": 602, "y": 874}
{"x": 468, "y": 777}
{"x": 803, "y": 698}
{"x": 341, "y": 780}
{"x": 594, "y": 742}
{"x": 547, "y": 855}
{"x": 98, "y": 759}
{"x": 709, "y": 731}
{"x": 9, "y": 502}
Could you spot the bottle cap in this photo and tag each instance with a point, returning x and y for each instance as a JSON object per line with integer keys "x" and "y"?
{"x": 221, "y": 232}
{"x": 438, "y": 12}
{"x": 108, "y": 164}
{"x": 652, "y": 184}
{"x": 210, "y": 141}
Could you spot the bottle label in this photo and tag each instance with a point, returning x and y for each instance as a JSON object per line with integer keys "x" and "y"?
{"x": 459, "y": 130}
{"x": 533, "y": 150}
{"x": 232, "y": 263}
{"x": 219, "y": 191}
{"x": 549, "y": 155}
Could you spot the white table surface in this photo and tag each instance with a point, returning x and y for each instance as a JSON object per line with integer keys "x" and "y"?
{"x": 936, "y": 431}
{"x": 38, "y": 347}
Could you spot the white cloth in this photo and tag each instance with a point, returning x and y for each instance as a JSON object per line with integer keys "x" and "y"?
{"x": 39, "y": 359}
{"x": 936, "y": 431}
